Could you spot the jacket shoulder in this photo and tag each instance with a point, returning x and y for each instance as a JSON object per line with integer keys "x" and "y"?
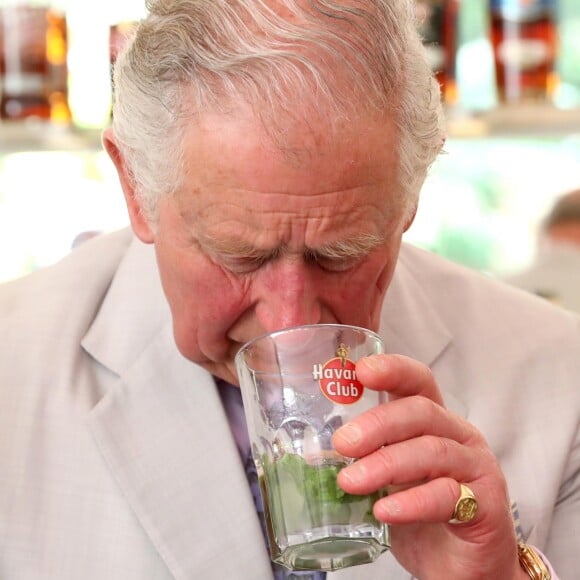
{"x": 60, "y": 291}
{"x": 467, "y": 300}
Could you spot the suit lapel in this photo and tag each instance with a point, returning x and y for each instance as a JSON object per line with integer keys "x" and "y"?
{"x": 163, "y": 433}
{"x": 410, "y": 324}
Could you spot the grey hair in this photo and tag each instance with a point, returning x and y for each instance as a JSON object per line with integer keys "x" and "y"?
{"x": 191, "y": 56}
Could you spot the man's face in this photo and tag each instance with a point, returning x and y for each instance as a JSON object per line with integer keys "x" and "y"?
{"x": 259, "y": 238}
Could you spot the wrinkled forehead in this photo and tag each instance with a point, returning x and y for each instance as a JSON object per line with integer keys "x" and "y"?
{"x": 231, "y": 158}
{"x": 302, "y": 135}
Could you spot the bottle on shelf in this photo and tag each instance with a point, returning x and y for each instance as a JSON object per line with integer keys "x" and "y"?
{"x": 33, "y": 62}
{"x": 524, "y": 39}
{"x": 437, "y": 24}
{"x": 567, "y": 95}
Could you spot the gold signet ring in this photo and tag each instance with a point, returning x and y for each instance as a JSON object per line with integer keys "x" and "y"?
{"x": 465, "y": 508}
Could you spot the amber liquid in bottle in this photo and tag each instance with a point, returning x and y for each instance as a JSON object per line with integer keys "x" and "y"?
{"x": 33, "y": 64}
{"x": 524, "y": 37}
{"x": 437, "y": 25}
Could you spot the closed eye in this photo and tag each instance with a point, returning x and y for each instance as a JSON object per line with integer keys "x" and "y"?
{"x": 333, "y": 263}
{"x": 243, "y": 264}
{"x": 344, "y": 255}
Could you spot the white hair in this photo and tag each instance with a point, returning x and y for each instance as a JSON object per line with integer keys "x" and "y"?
{"x": 191, "y": 56}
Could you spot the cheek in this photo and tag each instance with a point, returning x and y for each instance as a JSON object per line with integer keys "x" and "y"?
{"x": 204, "y": 303}
{"x": 360, "y": 298}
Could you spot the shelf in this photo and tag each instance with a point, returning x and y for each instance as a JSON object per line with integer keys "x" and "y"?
{"x": 38, "y": 136}
{"x": 522, "y": 120}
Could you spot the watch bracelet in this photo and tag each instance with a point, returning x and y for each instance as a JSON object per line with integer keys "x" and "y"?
{"x": 532, "y": 563}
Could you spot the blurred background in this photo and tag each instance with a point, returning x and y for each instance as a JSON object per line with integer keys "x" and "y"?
{"x": 510, "y": 77}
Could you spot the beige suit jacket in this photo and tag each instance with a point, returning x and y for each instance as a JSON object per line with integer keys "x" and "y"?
{"x": 116, "y": 460}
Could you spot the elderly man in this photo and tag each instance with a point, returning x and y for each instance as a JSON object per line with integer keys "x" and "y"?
{"x": 271, "y": 154}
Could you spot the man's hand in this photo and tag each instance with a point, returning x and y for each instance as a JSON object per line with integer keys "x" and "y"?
{"x": 422, "y": 452}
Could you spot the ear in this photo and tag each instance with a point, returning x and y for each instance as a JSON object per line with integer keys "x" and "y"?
{"x": 411, "y": 217}
{"x": 139, "y": 222}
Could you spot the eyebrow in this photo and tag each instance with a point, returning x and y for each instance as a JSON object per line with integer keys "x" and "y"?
{"x": 354, "y": 247}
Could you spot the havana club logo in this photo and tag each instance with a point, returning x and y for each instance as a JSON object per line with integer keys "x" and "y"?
{"x": 337, "y": 378}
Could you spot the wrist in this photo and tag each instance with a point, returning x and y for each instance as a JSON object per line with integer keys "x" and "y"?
{"x": 532, "y": 564}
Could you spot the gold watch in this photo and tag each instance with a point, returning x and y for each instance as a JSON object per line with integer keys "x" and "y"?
{"x": 532, "y": 563}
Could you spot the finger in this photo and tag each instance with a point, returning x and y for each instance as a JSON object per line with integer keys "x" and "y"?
{"x": 420, "y": 459}
{"x": 400, "y": 420}
{"x": 432, "y": 502}
{"x": 399, "y": 375}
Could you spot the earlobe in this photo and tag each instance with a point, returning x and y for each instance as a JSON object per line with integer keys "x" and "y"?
{"x": 139, "y": 222}
{"x": 410, "y": 217}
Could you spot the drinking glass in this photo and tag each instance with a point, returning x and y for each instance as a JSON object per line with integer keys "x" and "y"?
{"x": 299, "y": 385}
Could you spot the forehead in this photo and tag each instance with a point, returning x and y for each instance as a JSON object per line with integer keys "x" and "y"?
{"x": 306, "y": 156}
{"x": 311, "y": 185}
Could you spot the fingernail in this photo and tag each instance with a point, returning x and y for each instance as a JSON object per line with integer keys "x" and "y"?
{"x": 389, "y": 506}
{"x": 349, "y": 434}
{"x": 354, "y": 473}
{"x": 375, "y": 362}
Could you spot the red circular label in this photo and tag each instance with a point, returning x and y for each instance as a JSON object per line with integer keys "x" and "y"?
{"x": 338, "y": 381}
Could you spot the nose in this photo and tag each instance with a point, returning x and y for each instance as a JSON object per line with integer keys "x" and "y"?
{"x": 288, "y": 295}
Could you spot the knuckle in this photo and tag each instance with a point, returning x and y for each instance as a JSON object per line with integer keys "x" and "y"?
{"x": 427, "y": 374}
{"x": 438, "y": 447}
{"x": 377, "y": 419}
{"x": 422, "y": 502}
{"x": 386, "y": 460}
{"x": 426, "y": 406}
{"x": 474, "y": 438}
